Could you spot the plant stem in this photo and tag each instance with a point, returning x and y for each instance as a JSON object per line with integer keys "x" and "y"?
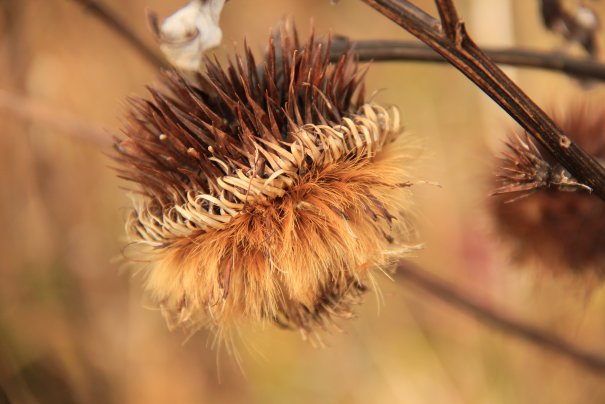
{"x": 471, "y": 305}
{"x": 450, "y": 39}
{"x": 392, "y": 51}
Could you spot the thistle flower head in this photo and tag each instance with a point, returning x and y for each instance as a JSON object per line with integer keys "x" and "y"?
{"x": 555, "y": 221}
{"x": 267, "y": 192}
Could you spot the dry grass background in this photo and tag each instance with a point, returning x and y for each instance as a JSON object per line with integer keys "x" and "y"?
{"x": 74, "y": 327}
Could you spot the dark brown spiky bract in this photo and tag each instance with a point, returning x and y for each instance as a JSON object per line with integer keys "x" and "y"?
{"x": 268, "y": 192}
{"x": 554, "y": 221}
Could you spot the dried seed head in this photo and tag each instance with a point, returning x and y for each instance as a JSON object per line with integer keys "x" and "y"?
{"x": 267, "y": 193}
{"x": 524, "y": 170}
{"x": 564, "y": 231}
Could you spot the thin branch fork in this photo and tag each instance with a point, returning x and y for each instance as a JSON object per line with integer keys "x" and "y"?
{"x": 450, "y": 39}
{"x": 462, "y": 301}
{"x": 380, "y": 50}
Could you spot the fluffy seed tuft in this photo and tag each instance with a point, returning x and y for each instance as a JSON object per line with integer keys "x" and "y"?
{"x": 266, "y": 192}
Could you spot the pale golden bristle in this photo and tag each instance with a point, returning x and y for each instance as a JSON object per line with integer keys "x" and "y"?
{"x": 283, "y": 220}
{"x": 324, "y": 232}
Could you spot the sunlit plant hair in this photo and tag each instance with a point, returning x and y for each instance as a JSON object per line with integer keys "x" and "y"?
{"x": 266, "y": 192}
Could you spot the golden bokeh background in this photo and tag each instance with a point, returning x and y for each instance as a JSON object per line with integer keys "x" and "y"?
{"x": 74, "y": 325}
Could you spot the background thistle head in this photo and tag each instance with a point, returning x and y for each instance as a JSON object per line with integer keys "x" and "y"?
{"x": 546, "y": 214}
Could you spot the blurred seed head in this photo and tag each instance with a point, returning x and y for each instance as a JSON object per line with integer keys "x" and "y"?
{"x": 267, "y": 192}
{"x": 548, "y": 216}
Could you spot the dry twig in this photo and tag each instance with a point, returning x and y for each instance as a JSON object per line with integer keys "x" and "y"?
{"x": 464, "y": 302}
{"x": 450, "y": 39}
{"x": 393, "y": 50}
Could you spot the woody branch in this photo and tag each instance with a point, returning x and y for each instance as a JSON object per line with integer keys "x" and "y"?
{"x": 380, "y": 50}
{"x": 465, "y": 302}
{"x": 449, "y": 38}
